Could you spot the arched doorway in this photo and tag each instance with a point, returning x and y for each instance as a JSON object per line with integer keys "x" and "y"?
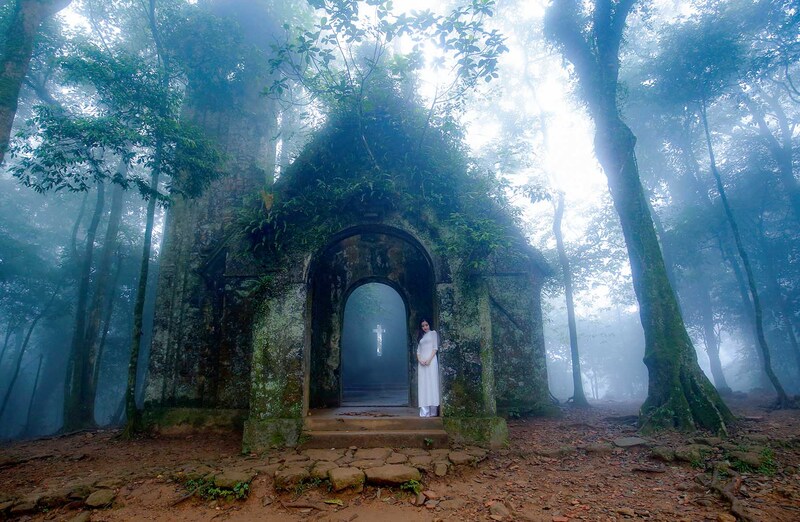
{"x": 352, "y": 259}
{"x": 375, "y": 348}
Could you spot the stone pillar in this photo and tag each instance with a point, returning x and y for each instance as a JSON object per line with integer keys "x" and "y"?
{"x": 519, "y": 353}
{"x": 465, "y": 361}
{"x": 276, "y": 397}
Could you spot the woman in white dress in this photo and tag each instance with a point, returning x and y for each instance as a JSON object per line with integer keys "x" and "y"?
{"x": 427, "y": 371}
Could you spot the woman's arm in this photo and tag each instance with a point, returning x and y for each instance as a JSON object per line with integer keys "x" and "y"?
{"x": 435, "y": 347}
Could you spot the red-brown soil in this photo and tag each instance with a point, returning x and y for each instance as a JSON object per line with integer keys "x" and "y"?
{"x": 549, "y": 472}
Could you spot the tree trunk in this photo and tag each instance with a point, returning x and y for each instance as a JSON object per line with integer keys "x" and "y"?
{"x": 16, "y": 54}
{"x": 747, "y": 310}
{"x": 132, "y": 412}
{"x": 781, "y": 150}
{"x": 679, "y": 394}
{"x": 24, "y": 347}
{"x": 107, "y": 320}
{"x": 782, "y": 399}
{"x": 784, "y": 311}
{"x": 701, "y": 192}
{"x": 29, "y": 417}
{"x": 100, "y": 300}
{"x": 710, "y": 337}
{"x": 578, "y": 396}
{"x": 77, "y": 413}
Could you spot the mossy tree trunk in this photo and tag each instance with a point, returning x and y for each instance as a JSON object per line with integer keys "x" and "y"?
{"x": 578, "y": 396}
{"x": 782, "y": 399}
{"x": 77, "y": 412}
{"x": 679, "y": 394}
{"x": 17, "y": 49}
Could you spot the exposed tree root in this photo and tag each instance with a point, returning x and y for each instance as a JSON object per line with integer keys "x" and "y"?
{"x": 728, "y": 492}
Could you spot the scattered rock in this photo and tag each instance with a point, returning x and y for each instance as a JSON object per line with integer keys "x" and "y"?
{"x": 663, "y": 453}
{"x": 431, "y": 494}
{"x": 320, "y": 469}
{"x": 109, "y": 483}
{"x": 343, "y": 478}
{"x": 440, "y": 469}
{"x": 499, "y": 509}
{"x": 79, "y": 490}
{"x": 392, "y": 474}
{"x": 83, "y": 516}
{"x": 708, "y": 441}
{"x": 53, "y": 498}
{"x": 329, "y": 455}
{"x": 295, "y": 457}
{"x": 726, "y": 517}
{"x": 268, "y": 470}
{"x": 396, "y": 458}
{"x": 289, "y": 477}
{"x": 367, "y": 463}
{"x": 691, "y": 453}
{"x": 101, "y": 498}
{"x": 628, "y": 512}
{"x": 421, "y": 461}
{"x": 452, "y": 503}
{"x": 460, "y": 458}
{"x": 439, "y": 454}
{"x": 749, "y": 458}
{"x": 629, "y": 442}
{"x": 476, "y": 452}
{"x": 22, "y": 507}
{"x": 197, "y": 472}
{"x": 230, "y": 478}
{"x": 372, "y": 453}
{"x": 415, "y": 451}
{"x": 599, "y": 448}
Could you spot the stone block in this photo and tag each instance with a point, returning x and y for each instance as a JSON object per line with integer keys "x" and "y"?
{"x": 392, "y": 474}
{"x": 343, "y": 478}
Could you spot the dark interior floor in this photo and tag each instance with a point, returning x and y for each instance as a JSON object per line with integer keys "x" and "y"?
{"x": 379, "y": 395}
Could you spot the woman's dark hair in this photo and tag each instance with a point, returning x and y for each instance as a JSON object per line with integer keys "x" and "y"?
{"x": 420, "y": 333}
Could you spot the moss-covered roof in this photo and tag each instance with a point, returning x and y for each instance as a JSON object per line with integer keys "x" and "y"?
{"x": 386, "y": 156}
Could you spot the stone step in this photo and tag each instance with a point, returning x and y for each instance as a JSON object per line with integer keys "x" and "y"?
{"x": 424, "y": 438}
{"x": 364, "y": 423}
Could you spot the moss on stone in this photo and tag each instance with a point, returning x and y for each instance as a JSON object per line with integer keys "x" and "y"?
{"x": 170, "y": 419}
{"x": 481, "y": 431}
{"x": 261, "y": 435}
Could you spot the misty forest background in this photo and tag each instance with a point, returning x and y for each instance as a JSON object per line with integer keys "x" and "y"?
{"x": 101, "y": 145}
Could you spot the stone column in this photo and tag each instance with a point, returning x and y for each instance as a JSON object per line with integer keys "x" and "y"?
{"x": 465, "y": 361}
{"x": 276, "y": 397}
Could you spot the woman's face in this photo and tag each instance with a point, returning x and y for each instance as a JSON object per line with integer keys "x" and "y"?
{"x": 425, "y": 326}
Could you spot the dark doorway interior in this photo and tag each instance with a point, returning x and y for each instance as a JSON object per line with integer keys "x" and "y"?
{"x": 375, "y": 348}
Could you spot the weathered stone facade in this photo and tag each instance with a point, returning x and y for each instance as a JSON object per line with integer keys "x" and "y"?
{"x": 260, "y": 333}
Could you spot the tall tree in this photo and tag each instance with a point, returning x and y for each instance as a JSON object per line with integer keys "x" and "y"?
{"x": 698, "y": 63}
{"x": 679, "y": 394}
{"x": 20, "y": 35}
{"x": 578, "y": 396}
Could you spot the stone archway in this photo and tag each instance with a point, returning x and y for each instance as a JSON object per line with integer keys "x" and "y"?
{"x": 358, "y": 255}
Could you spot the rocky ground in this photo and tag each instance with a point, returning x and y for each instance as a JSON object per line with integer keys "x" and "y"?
{"x": 586, "y": 465}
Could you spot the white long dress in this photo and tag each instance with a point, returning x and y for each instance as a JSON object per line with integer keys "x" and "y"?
{"x": 428, "y": 376}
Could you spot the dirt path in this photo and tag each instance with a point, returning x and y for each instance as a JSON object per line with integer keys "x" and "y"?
{"x": 586, "y": 465}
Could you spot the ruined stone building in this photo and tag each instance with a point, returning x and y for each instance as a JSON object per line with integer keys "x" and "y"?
{"x": 255, "y": 276}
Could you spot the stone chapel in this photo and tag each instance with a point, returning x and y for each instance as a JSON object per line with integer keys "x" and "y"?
{"x": 255, "y": 277}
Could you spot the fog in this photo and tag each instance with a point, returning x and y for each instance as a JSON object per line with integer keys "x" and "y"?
{"x": 375, "y": 348}
{"x": 712, "y": 102}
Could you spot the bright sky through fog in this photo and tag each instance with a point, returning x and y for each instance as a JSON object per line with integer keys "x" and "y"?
{"x": 568, "y": 158}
